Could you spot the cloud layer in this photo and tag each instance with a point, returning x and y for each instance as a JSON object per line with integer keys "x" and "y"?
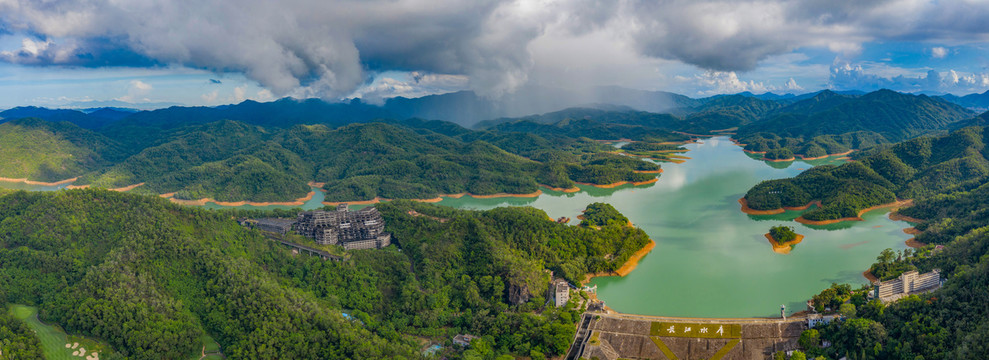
{"x": 331, "y": 48}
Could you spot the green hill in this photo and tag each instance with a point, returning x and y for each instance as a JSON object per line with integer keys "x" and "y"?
{"x": 924, "y": 169}
{"x": 831, "y": 123}
{"x": 232, "y": 161}
{"x": 47, "y": 151}
{"x": 151, "y": 278}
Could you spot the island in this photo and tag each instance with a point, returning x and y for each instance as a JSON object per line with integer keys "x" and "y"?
{"x": 783, "y": 238}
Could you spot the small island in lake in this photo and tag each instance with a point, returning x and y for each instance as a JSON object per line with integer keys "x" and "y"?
{"x": 783, "y": 238}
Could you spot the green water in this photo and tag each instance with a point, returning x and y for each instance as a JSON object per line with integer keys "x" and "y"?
{"x": 23, "y": 186}
{"x": 315, "y": 203}
{"x": 712, "y": 260}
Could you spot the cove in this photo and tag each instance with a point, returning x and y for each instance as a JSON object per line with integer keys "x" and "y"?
{"x": 712, "y": 260}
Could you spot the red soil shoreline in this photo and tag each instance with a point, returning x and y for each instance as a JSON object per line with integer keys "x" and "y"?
{"x": 204, "y": 201}
{"x": 913, "y": 243}
{"x": 895, "y": 205}
{"x": 783, "y": 248}
{"x": 620, "y": 183}
{"x": 627, "y": 267}
{"x": 746, "y": 209}
{"x": 794, "y": 158}
{"x": 868, "y": 275}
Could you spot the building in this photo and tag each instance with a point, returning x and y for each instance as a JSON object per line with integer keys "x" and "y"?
{"x": 908, "y": 283}
{"x": 362, "y": 229}
{"x": 813, "y": 320}
{"x": 463, "y": 339}
{"x": 274, "y": 225}
{"x": 561, "y": 292}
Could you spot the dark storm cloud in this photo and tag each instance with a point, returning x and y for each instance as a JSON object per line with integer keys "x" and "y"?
{"x": 327, "y": 48}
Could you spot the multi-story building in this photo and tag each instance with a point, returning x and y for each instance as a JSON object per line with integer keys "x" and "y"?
{"x": 362, "y": 229}
{"x": 908, "y": 283}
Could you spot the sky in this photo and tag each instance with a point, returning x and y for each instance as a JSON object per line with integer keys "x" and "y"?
{"x": 193, "y": 52}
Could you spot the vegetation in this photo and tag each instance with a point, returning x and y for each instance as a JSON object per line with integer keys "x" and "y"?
{"x": 601, "y": 214}
{"x": 151, "y": 279}
{"x": 782, "y": 234}
{"x": 17, "y": 341}
{"x": 232, "y": 161}
{"x": 946, "y": 176}
{"x": 830, "y": 123}
{"x": 934, "y": 171}
{"x": 45, "y": 151}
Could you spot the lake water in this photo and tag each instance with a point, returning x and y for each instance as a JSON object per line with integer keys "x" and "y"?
{"x": 712, "y": 260}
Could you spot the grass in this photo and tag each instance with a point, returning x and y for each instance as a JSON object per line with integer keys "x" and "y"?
{"x": 211, "y": 347}
{"x": 53, "y": 338}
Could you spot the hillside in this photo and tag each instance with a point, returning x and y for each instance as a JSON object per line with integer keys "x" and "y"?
{"x": 150, "y": 278}
{"x": 822, "y": 124}
{"x": 949, "y": 178}
{"x": 47, "y": 151}
{"x": 924, "y": 169}
{"x": 233, "y": 161}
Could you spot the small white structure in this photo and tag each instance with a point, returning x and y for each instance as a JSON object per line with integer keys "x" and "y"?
{"x": 813, "y": 320}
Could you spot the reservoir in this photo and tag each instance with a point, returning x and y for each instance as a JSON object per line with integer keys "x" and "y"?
{"x": 712, "y": 260}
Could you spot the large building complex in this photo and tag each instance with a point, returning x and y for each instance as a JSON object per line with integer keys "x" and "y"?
{"x": 908, "y": 283}
{"x": 362, "y": 229}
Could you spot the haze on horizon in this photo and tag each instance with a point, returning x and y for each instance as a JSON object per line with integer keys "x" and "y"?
{"x": 59, "y": 52}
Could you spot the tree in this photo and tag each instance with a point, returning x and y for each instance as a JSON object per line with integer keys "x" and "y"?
{"x": 810, "y": 339}
{"x": 847, "y": 310}
{"x": 798, "y": 355}
{"x": 862, "y": 338}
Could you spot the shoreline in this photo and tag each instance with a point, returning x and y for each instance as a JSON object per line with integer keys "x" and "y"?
{"x": 620, "y": 183}
{"x": 895, "y": 215}
{"x": 858, "y": 217}
{"x": 795, "y": 156}
{"x": 783, "y": 248}
{"x": 201, "y": 202}
{"x": 627, "y": 267}
{"x": 568, "y": 190}
{"x": 41, "y": 183}
{"x": 913, "y": 243}
{"x": 868, "y": 275}
{"x": 746, "y": 209}
{"x": 440, "y": 197}
{"x": 119, "y": 189}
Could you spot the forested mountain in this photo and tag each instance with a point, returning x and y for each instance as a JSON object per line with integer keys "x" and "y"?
{"x": 232, "y": 161}
{"x": 149, "y": 278}
{"x": 269, "y": 151}
{"x": 948, "y": 177}
{"x": 974, "y": 101}
{"x": 93, "y": 120}
{"x": 924, "y": 169}
{"x": 51, "y": 151}
{"x": 822, "y": 124}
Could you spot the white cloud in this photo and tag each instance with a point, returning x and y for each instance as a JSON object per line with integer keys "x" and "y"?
{"x": 791, "y": 85}
{"x": 137, "y": 91}
{"x": 938, "y": 52}
{"x": 418, "y": 84}
{"x": 846, "y": 76}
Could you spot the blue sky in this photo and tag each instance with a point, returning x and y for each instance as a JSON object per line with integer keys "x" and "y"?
{"x": 57, "y": 52}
